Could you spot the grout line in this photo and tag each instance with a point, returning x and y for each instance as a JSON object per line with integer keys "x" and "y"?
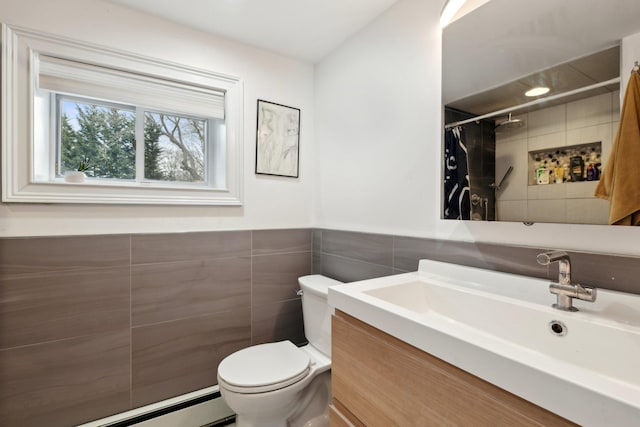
{"x": 393, "y": 253}
{"x": 195, "y": 259}
{"x": 320, "y": 251}
{"x": 190, "y": 317}
{"x": 283, "y": 253}
{"x": 93, "y": 334}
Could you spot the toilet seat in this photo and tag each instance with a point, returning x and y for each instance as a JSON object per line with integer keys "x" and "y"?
{"x": 264, "y": 367}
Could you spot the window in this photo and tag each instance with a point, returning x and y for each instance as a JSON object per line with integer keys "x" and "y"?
{"x": 101, "y": 136}
{"x": 174, "y": 147}
{"x": 148, "y": 132}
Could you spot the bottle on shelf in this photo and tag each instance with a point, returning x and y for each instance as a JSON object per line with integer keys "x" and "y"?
{"x": 558, "y": 172}
{"x": 567, "y": 171}
{"x": 542, "y": 173}
{"x": 576, "y": 166}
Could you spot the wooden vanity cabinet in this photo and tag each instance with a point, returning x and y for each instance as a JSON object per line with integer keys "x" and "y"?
{"x": 379, "y": 380}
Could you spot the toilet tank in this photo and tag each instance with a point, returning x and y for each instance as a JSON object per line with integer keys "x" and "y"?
{"x": 316, "y": 310}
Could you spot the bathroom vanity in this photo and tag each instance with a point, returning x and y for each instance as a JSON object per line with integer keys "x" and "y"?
{"x": 455, "y": 345}
{"x": 379, "y": 380}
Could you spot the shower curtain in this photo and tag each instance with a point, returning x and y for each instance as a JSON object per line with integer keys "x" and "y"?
{"x": 457, "y": 203}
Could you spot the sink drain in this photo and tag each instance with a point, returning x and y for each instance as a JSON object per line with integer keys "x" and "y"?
{"x": 557, "y": 328}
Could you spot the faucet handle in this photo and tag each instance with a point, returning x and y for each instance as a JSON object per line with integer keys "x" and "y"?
{"x": 564, "y": 264}
{"x": 586, "y": 293}
{"x": 564, "y": 290}
{"x": 546, "y": 258}
{"x": 566, "y": 293}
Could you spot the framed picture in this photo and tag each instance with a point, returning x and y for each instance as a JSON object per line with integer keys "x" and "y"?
{"x": 277, "y": 140}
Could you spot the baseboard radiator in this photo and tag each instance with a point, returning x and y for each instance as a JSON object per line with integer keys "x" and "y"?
{"x": 201, "y": 408}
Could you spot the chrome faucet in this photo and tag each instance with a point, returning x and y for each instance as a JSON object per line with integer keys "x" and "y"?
{"x": 564, "y": 289}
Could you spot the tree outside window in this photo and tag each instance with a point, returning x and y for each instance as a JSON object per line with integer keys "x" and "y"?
{"x": 174, "y": 146}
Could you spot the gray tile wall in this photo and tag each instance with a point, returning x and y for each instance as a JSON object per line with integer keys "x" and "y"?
{"x": 95, "y": 325}
{"x": 350, "y": 256}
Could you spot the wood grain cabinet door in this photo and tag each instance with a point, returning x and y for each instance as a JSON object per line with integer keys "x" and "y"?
{"x": 382, "y": 381}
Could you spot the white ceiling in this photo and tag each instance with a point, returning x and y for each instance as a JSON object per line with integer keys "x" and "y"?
{"x": 304, "y": 29}
{"x": 585, "y": 71}
{"x": 504, "y": 40}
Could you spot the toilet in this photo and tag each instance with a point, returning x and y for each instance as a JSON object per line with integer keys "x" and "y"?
{"x": 279, "y": 384}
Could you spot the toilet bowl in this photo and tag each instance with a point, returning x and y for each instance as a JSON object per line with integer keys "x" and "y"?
{"x": 279, "y": 384}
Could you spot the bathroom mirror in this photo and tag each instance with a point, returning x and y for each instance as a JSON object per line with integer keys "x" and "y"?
{"x": 496, "y": 53}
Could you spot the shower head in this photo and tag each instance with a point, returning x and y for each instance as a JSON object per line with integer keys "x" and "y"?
{"x": 509, "y": 124}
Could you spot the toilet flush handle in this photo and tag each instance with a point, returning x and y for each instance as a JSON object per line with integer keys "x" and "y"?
{"x": 299, "y": 292}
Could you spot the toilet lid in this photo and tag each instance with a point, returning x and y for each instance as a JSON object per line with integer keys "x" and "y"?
{"x": 264, "y": 367}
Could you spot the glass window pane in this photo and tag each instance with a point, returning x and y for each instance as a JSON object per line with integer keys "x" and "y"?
{"x": 174, "y": 148}
{"x": 100, "y": 135}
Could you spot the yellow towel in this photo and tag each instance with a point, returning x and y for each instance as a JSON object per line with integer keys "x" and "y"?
{"x": 620, "y": 180}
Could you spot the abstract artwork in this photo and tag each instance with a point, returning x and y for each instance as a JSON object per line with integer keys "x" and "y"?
{"x": 277, "y": 139}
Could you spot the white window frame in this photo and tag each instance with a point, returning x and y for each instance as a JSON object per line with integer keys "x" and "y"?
{"x": 20, "y": 51}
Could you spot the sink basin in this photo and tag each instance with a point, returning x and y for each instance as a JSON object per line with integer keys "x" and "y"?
{"x": 582, "y": 365}
{"x": 414, "y": 296}
{"x": 571, "y": 337}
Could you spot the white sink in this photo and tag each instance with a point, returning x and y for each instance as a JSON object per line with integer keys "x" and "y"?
{"x": 498, "y": 326}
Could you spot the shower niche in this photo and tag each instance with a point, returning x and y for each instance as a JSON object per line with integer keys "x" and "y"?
{"x": 565, "y": 164}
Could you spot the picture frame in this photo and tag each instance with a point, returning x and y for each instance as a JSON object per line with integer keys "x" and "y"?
{"x": 277, "y": 140}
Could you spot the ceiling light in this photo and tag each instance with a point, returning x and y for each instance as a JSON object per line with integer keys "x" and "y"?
{"x": 449, "y": 11}
{"x": 537, "y": 91}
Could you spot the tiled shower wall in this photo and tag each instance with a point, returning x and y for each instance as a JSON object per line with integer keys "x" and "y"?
{"x": 95, "y": 325}
{"x": 589, "y": 120}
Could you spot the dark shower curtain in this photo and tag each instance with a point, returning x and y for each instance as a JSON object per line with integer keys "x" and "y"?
{"x": 457, "y": 203}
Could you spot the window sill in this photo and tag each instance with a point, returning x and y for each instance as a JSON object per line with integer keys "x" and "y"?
{"x": 122, "y": 183}
{"x": 120, "y": 193}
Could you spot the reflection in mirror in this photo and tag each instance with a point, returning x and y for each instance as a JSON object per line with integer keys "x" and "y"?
{"x": 534, "y": 158}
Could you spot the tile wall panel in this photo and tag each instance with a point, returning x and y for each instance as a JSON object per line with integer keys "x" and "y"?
{"x": 43, "y": 307}
{"x": 278, "y": 321}
{"x": 184, "y": 299}
{"x": 345, "y": 256}
{"x": 600, "y": 270}
{"x": 275, "y": 277}
{"x": 171, "y": 291}
{"x": 280, "y": 258}
{"x": 33, "y": 255}
{"x": 316, "y": 249}
{"x": 267, "y": 242}
{"x": 156, "y": 248}
{"x": 65, "y": 382}
{"x": 351, "y": 270}
{"x": 371, "y": 248}
{"x": 177, "y": 357}
{"x": 519, "y": 260}
{"x": 605, "y": 271}
{"x": 194, "y": 298}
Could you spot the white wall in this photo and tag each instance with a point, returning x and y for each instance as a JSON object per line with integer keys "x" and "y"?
{"x": 378, "y": 136}
{"x": 629, "y": 54}
{"x": 270, "y": 202}
{"x": 378, "y": 125}
{"x": 377, "y": 128}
